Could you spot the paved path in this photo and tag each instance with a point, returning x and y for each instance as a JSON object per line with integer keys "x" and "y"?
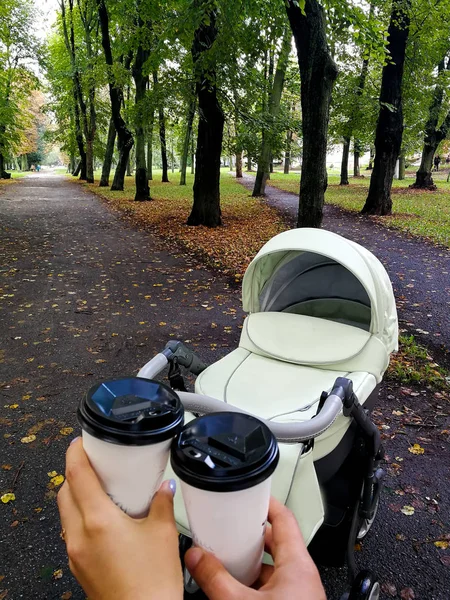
{"x": 419, "y": 271}
{"x": 83, "y": 296}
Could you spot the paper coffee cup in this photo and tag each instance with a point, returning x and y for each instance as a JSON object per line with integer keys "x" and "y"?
{"x": 225, "y": 462}
{"x": 128, "y": 425}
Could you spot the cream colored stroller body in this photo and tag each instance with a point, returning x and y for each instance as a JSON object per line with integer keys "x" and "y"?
{"x": 320, "y": 329}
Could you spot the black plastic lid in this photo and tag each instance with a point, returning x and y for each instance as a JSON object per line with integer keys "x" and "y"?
{"x": 132, "y": 411}
{"x": 224, "y": 452}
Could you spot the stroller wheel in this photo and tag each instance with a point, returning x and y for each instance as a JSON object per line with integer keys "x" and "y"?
{"x": 366, "y": 524}
{"x": 365, "y": 587}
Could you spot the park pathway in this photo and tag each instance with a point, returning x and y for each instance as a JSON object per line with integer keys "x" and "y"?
{"x": 419, "y": 270}
{"x": 84, "y": 296}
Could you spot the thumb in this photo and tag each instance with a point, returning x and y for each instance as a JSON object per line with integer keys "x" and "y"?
{"x": 209, "y": 573}
{"x": 161, "y": 508}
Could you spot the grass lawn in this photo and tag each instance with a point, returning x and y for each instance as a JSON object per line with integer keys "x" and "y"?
{"x": 418, "y": 212}
{"x": 247, "y": 222}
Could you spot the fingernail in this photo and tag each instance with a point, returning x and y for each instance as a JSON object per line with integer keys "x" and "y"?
{"x": 173, "y": 486}
{"x": 192, "y": 558}
{"x": 75, "y": 439}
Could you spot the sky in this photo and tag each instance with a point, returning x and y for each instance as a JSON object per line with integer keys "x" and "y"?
{"x": 46, "y": 15}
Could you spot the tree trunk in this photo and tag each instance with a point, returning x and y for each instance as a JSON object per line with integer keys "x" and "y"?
{"x": 141, "y": 83}
{"x": 187, "y": 137}
{"x": 401, "y": 167}
{"x": 433, "y": 134}
{"x": 206, "y": 206}
{"x": 150, "y": 145}
{"x": 344, "y": 163}
{"x": 356, "y": 169}
{"x": 372, "y": 156}
{"x": 3, "y": 173}
{"x": 162, "y": 131}
{"x": 109, "y": 153}
{"x": 287, "y": 152}
{"x": 389, "y": 132}
{"x": 239, "y": 164}
{"x": 129, "y": 172}
{"x": 249, "y": 162}
{"x": 192, "y": 156}
{"x": 317, "y": 74}
{"x": 125, "y": 139}
{"x": 78, "y": 169}
{"x": 274, "y": 109}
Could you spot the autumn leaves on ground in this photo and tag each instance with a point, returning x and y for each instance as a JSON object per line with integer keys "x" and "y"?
{"x": 86, "y": 296}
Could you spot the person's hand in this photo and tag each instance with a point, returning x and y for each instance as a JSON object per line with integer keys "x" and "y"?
{"x": 293, "y": 576}
{"x": 112, "y": 555}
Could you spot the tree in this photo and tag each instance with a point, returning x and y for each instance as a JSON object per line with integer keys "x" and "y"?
{"x": 162, "y": 128}
{"x": 274, "y": 109}
{"x": 435, "y": 132}
{"x": 141, "y": 83}
{"x": 89, "y": 20}
{"x": 124, "y": 136}
{"x": 206, "y": 206}
{"x": 18, "y": 47}
{"x": 317, "y": 73}
{"x": 79, "y": 104}
{"x": 388, "y": 137}
{"x": 187, "y": 135}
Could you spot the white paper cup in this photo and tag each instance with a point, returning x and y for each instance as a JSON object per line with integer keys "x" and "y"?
{"x": 225, "y": 462}
{"x": 128, "y": 427}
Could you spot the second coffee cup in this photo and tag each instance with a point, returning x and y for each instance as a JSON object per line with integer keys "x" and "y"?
{"x": 128, "y": 425}
{"x": 225, "y": 461}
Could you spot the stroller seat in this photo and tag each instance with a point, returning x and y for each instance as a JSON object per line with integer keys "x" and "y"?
{"x": 285, "y": 361}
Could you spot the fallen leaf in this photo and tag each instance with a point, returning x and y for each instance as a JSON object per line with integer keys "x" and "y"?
{"x": 407, "y": 510}
{"x": 66, "y": 596}
{"x": 14, "y": 523}
{"x": 407, "y": 594}
{"x": 389, "y": 589}
{"x": 100, "y": 361}
{"x": 7, "y": 467}
{"x": 52, "y": 474}
{"x": 8, "y": 497}
{"x": 13, "y": 406}
{"x": 57, "y": 574}
{"x": 445, "y": 560}
{"x": 57, "y": 480}
{"x": 66, "y": 430}
{"x": 3, "y": 594}
{"x": 416, "y": 449}
{"x": 28, "y": 439}
{"x": 442, "y": 544}
{"x": 397, "y": 413}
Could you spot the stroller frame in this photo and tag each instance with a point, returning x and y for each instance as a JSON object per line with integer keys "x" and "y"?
{"x": 361, "y": 445}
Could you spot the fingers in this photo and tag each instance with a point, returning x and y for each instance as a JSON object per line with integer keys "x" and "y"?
{"x": 85, "y": 487}
{"x": 161, "y": 509}
{"x": 212, "y": 577}
{"x": 68, "y": 512}
{"x": 285, "y": 540}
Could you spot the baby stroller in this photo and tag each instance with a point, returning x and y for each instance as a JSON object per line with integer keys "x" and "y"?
{"x": 320, "y": 329}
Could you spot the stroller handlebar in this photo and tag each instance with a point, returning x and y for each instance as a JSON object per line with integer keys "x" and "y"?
{"x": 295, "y": 432}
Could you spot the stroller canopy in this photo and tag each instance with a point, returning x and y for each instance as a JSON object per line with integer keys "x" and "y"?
{"x": 321, "y": 274}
